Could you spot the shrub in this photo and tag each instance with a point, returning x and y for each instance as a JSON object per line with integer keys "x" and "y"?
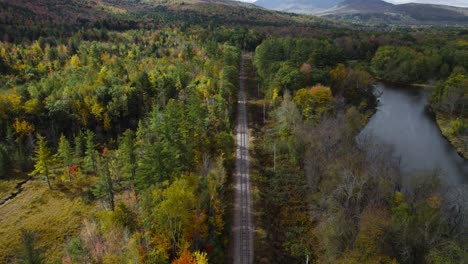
{"x": 458, "y": 126}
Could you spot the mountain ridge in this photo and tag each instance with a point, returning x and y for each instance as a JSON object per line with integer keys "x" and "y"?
{"x": 379, "y": 11}
{"x": 30, "y": 19}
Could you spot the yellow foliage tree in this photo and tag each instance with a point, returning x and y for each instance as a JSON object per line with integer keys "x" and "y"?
{"x": 14, "y": 102}
{"x": 97, "y": 110}
{"x": 196, "y": 258}
{"x": 315, "y": 102}
{"x": 22, "y": 128}
{"x": 200, "y": 257}
{"x": 173, "y": 216}
{"x": 107, "y": 122}
{"x": 75, "y": 61}
{"x": 338, "y": 77}
{"x": 32, "y": 106}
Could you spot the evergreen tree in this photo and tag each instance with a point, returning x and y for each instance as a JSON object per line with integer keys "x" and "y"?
{"x": 5, "y": 160}
{"x": 105, "y": 186}
{"x": 43, "y": 159}
{"x": 29, "y": 253}
{"x": 78, "y": 151}
{"x": 90, "y": 152}
{"x": 64, "y": 152}
{"x": 128, "y": 157}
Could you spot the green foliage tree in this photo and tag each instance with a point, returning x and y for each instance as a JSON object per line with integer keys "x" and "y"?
{"x": 78, "y": 152}
{"x": 64, "y": 152}
{"x": 288, "y": 78}
{"x": 158, "y": 164}
{"x": 5, "y": 160}
{"x": 29, "y": 253}
{"x": 280, "y": 62}
{"x": 215, "y": 185}
{"x": 287, "y": 116}
{"x": 354, "y": 85}
{"x": 105, "y": 186}
{"x": 172, "y": 210}
{"x": 91, "y": 153}
{"x": 43, "y": 160}
{"x": 169, "y": 146}
{"x": 452, "y": 94}
{"x": 128, "y": 157}
{"x": 404, "y": 64}
{"x": 458, "y": 127}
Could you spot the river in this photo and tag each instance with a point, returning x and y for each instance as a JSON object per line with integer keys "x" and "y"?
{"x": 403, "y": 121}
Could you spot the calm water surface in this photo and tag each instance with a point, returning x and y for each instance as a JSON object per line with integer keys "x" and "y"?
{"x": 403, "y": 121}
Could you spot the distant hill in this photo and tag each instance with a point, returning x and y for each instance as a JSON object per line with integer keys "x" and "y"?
{"x": 424, "y": 12}
{"x": 52, "y": 11}
{"x": 236, "y": 12}
{"x": 29, "y": 19}
{"x": 364, "y": 6}
{"x": 79, "y": 12}
{"x": 298, "y": 6}
{"x": 374, "y": 11}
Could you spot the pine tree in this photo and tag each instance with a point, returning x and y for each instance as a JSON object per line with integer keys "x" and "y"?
{"x": 128, "y": 157}
{"x": 29, "y": 253}
{"x": 64, "y": 152}
{"x": 90, "y": 152}
{"x": 43, "y": 159}
{"x": 78, "y": 152}
{"x": 5, "y": 160}
{"x": 105, "y": 187}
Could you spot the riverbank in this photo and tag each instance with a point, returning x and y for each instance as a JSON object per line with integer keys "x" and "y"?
{"x": 403, "y": 121}
{"x": 458, "y": 142}
{"x": 443, "y": 122}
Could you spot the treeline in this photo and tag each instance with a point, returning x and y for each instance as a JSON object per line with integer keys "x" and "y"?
{"x": 278, "y": 61}
{"x": 141, "y": 121}
{"x": 426, "y": 62}
{"x": 330, "y": 195}
{"x": 449, "y": 100}
{"x": 451, "y": 96}
{"x": 290, "y": 64}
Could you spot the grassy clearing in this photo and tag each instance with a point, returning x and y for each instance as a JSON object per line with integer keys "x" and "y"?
{"x": 53, "y": 215}
{"x": 460, "y": 142}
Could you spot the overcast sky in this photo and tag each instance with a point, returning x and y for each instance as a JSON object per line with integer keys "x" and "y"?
{"x": 444, "y": 2}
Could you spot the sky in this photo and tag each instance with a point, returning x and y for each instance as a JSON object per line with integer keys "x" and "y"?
{"x": 442, "y": 2}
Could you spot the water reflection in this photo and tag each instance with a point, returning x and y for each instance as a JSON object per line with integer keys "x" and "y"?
{"x": 403, "y": 121}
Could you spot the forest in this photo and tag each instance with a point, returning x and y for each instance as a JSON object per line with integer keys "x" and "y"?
{"x": 323, "y": 195}
{"x": 137, "y": 123}
{"x": 117, "y": 136}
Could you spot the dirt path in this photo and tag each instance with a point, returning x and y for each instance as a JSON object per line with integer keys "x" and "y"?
{"x": 242, "y": 228}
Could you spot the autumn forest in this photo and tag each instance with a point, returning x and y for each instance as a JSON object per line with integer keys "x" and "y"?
{"x": 119, "y": 143}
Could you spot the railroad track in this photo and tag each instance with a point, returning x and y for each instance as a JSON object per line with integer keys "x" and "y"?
{"x": 243, "y": 227}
